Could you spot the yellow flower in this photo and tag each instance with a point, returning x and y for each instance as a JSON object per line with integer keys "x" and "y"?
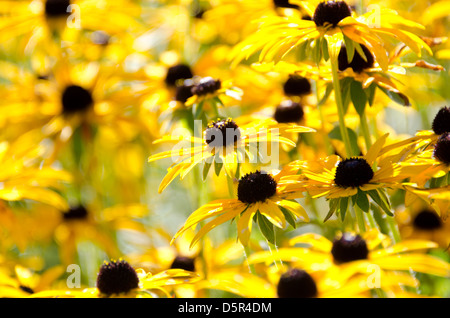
{"x": 42, "y": 21}
{"x": 25, "y": 176}
{"x": 226, "y": 143}
{"x": 355, "y": 178}
{"x": 421, "y": 221}
{"x": 259, "y": 195}
{"x": 73, "y": 97}
{"x": 118, "y": 279}
{"x": 351, "y": 255}
{"x": 332, "y": 22}
{"x": 27, "y": 282}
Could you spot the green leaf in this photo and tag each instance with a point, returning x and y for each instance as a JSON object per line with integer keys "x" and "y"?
{"x": 358, "y": 97}
{"x": 290, "y": 218}
{"x": 217, "y": 167}
{"x": 206, "y": 167}
{"x": 317, "y": 51}
{"x": 370, "y": 91}
{"x": 350, "y": 48}
{"x": 379, "y": 218}
{"x": 343, "y": 206}
{"x": 397, "y": 97}
{"x": 327, "y": 93}
{"x": 326, "y": 55}
{"x": 374, "y": 194}
{"x": 266, "y": 228}
{"x": 197, "y": 109}
{"x": 360, "y": 51}
{"x": 335, "y": 133}
{"x": 362, "y": 201}
{"x": 333, "y": 204}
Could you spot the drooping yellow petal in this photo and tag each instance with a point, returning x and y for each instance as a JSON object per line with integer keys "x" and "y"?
{"x": 244, "y": 224}
{"x": 295, "y": 208}
{"x": 375, "y": 149}
{"x": 317, "y": 242}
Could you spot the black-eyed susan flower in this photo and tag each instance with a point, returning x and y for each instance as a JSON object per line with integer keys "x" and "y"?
{"x": 118, "y": 279}
{"x": 225, "y": 143}
{"x": 431, "y": 161}
{"x": 74, "y": 97}
{"x": 26, "y": 282}
{"x": 421, "y": 221}
{"x": 24, "y": 176}
{"x": 356, "y": 178}
{"x": 259, "y": 194}
{"x": 423, "y": 139}
{"x": 332, "y": 21}
{"x": 206, "y": 92}
{"x": 293, "y": 281}
{"x": 42, "y": 21}
{"x": 349, "y": 255}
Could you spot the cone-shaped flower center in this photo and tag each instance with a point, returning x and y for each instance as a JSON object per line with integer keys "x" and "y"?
{"x": 349, "y": 248}
{"x": 256, "y": 187}
{"x": 176, "y": 73}
{"x": 353, "y": 172}
{"x": 76, "y": 99}
{"x": 288, "y": 112}
{"x": 284, "y": 4}
{"x": 296, "y": 283}
{"x": 184, "y": 91}
{"x": 222, "y": 133}
{"x": 441, "y": 122}
{"x": 116, "y": 278}
{"x": 56, "y": 8}
{"x": 427, "y": 220}
{"x": 184, "y": 262}
{"x": 442, "y": 148}
{"x": 207, "y": 85}
{"x": 75, "y": 213}
{"x": 358, "y": 64}
{"x": 297, "y": 86}
{"x": 331, "y": 12}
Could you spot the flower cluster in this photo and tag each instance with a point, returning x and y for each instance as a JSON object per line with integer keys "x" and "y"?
{"x": 253, "y": 149}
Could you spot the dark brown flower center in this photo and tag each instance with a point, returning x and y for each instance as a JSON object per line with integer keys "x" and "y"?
{"x": 116, "y": 278}
{"x": 177, "y": 73}
{"x": 284, "y": 4}
{"x": 207, "y": 85}
{"x": 222, "y": 133}
{"x": 184, "y": 262}
{"x": 441, "y": 122}
{"x": 442, "y": 148}
{"x": 349, "y": 248}
{"x": 75, "y": 213}
{"x": 297, "y": 86}
{"x": 56, "y": 8}
{"x": 256, "y": 187}
{"x": 358, "y": 64}
{"x": 296, "y": 283}
{"x": 427, "y": 220}
{"x": 288, "y": 112}
{"x": 76, "y": 99}
{"x": 331, "y": 12}
{"x": 353, "y": 172}
{"x": 184, "y": 91}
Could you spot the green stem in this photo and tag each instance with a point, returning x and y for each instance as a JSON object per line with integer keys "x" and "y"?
{"x": 360, "y": 219}
{"x": 393, "y": 229}
{"x": 247, "y": 254}
{"x": 322, "y": 117}
{"x": 272, "y": 247}
{"x": 340, "y": 107}
{"x": 365, "y": 130}
{"x": 230, "y": 186}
